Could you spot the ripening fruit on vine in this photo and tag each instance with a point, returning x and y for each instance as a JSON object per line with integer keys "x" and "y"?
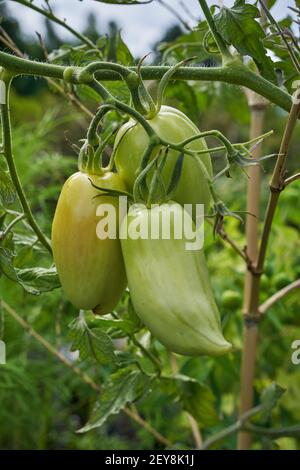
{"x": 170, "y": 286}
{"x": 175, "y": 127}
{"x": 91, "y": 270}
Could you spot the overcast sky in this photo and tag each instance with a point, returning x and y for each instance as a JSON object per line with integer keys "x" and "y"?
{"x": 142, "y": 25}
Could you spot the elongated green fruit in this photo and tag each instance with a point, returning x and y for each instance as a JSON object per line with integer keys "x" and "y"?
{"x": 91, "y": 270}
{"x": 175, "y": 127}
{"x": 170, "y": 286}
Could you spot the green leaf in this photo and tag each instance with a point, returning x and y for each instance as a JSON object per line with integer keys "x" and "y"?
{"x": 128, "y": 325}
{"x": 37, "y": 280}
{"x": 238, "y": 27}
{"x": 115, "y": 328}
{"x": 185, "y": 45}
{"x": 124, "y": 386}
{"x": 7, "y": 189}
{"x": 6, "y": 264}
{"x": 119, "y": 90}
{"x": 23, "y": 256}
{"x": 196, "y": 398}
{"x": 124, "y": 55}
{"x": 27, "y": 240}
{"x": 85, "y": 92}
{"x": 33, "y": 280}
{"x": 91, "y": 343}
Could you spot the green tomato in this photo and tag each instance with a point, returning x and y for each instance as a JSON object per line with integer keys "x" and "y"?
{"x": 91, "y": 270}
{"x": 231, "y": 299}
{"x": 170, "y": 286}
{"x": 174, "y": 126}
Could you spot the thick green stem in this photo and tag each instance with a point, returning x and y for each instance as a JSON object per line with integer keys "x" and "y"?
{"x": 235, "y": 74}
{"x": 130, "y": 77}
{"x": 7, "y": 147}
{"x": 92, "y": 136}
{"x": 119, "y": 105}
{"x": 11, "y": 225}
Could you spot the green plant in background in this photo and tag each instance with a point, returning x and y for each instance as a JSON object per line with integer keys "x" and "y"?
{"x": 139, "y": 376}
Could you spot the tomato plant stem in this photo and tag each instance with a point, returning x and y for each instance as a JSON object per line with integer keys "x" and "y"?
{"x": 278, "y": 296}
{"x": 257, "y": 109}
{"x": 277, "y": 182}
{"x": 7, "y": 148}
{"x": 235, "y": 74}
{"x": 226, "y": 56}
{"x": 252, "y": 287}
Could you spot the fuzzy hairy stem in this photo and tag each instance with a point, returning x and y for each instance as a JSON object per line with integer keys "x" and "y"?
{"x": 226, "y": 56}
{"x": 235, "y": 74}
{"x": 291, "y": 179}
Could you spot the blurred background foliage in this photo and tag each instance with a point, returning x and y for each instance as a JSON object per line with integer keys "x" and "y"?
{"x": 43, "y": 402}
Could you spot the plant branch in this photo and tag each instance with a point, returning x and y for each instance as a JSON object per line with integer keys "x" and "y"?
{"x": 242, "y": 424}
{"x": 226, "y": 56}
{"x": 291, "y": 431}
{"x": 242, "y": 253}
{"x": 237, "y": 75}
{"x": 11, "y": 225}
{"x": 133, "y": 414}
{"x": 278, "y": 296}
{"x": 225, "y": 237}
{"x": 147, "y": 353}
{"x": 257, "y": 106}
{"x": 252, "y": 314}
{"x": 7, "y": 40}
{"x": 7, "y": 150}
{"x": 234, "y": 428}
{"x": 277, "y": 183}
{"x": 291, "y": 179}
